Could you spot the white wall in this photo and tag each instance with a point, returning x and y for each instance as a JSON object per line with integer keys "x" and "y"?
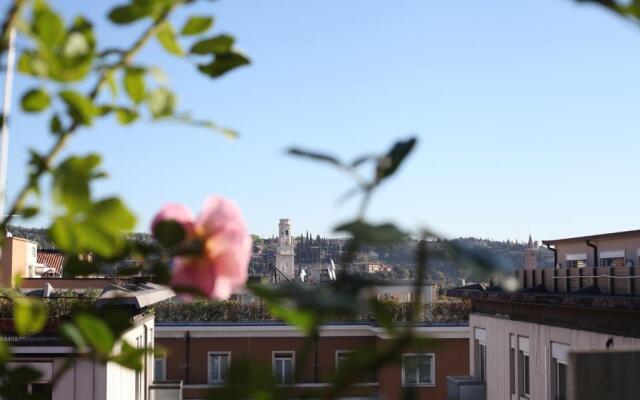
{"x": 540, "y": 337}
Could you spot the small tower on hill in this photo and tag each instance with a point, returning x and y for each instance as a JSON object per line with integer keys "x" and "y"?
{"x": 285, "y": 251}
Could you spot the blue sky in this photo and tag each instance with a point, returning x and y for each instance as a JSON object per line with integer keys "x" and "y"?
{"x": 526, "y": 112}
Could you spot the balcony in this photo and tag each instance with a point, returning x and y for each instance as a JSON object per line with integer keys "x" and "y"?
{"x": 165, "y": 390}
{"x": 615, "y": 281}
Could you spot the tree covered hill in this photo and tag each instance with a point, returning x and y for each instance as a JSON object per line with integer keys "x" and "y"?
{"x": 398, "y": 259}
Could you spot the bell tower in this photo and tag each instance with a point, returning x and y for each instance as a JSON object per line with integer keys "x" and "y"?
{"x": 530, "y": 255}
{"x": 285, "y": 252}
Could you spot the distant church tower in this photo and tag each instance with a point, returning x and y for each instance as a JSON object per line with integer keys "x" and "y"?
{"x": 285, "y": 253}
{"x": 530, "y": 255}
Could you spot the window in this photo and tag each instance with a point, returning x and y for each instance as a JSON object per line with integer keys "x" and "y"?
{"x": 418, "y": 369}
{"x": 159, "y": 369}
{"x": 612, "y": 258}
{"x": 558, "y": 370}
{"x": 576, "y": 260}
{"x": 480, "y": 348}
{"x": 524, "y": 389}
{"x": 512, "y": 365}
{"x": 218, "y": 366}
{"x": 283, "y": 366}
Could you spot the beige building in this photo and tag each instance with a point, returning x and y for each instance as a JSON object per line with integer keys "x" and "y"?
{"x": 520, "y": 342}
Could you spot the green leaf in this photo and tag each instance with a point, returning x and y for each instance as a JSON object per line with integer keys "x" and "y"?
{"x": 224, "y": 63}
{"x": 73, "y": 334}
{"x": 71, "y": 182}
{"x": 5, "y": 352}
{"x": 130, "y": 357}
{"x": 35, "y": 100}
{"x": 55, "y": 125}
{"x": 80, "y": 107}
{"x": 29, "y": 316}
{"x": 315, "y": 156}
{"x": 76, "y": 45}
{"x": 29, "y": 212}
{"x": 169, "y": 233}
{"x": 134, "y": 84}
{"x": 126, "y": 116}
{"x": 368, "y": 233}
{"x": 47, "y": 25}
{"x": 161, "y": 102}
{"x": 128, "y": 14}
{"x": 221, "y": 44}
{"x": 389, "y": 164}
{"x": 96, "y": 333}
{"x": 112, "y": 213}
{"x": 168, "y": 39}
{"x": 196, "y": 25}
{"x": 111, "y": 82}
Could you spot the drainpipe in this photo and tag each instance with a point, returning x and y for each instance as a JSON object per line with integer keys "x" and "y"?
{"x": 555, "y": 255}
{"x": 595, "y": 252}
{"x": 316, "y": 366}
{"x": 187, "y": 357}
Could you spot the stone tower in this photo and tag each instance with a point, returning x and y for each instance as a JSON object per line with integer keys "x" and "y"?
{"x": 530, "y": 255}
{"x": 285, "y": 253}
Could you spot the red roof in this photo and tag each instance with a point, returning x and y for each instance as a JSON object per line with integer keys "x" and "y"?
{"x": 52, "y": 259}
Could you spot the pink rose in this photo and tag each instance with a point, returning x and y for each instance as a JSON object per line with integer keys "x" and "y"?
{"x": 222, "y": 265}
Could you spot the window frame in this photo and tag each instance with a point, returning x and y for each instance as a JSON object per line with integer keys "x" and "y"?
{"x": 292, "y": 353}
{"x": 610, "y": 255}
{"x": 524, "y": 374}
{"x": 164, "y": 368}
{"x": 432, "y": 372}
{"x": 576, "y": 258}
{"x": 209, "y": 367}
{"x": 559, "y": 355}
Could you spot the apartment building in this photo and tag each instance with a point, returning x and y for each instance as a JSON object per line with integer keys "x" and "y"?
{"x": 520, "y": 342}
{"x": 201, "y": 353}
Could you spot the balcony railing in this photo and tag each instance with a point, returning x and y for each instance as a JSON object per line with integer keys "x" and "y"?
{"x": 618, "y": 281}
{"x": 166, "y": 390}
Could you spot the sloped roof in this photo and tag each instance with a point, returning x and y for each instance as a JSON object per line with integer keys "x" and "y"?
{"x": 52, "y": 259}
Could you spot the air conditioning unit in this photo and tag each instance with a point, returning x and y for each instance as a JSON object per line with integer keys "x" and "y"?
{"x": 465, "y": 388}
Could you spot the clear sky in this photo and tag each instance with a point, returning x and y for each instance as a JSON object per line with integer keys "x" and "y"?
{"x": 526, "y": 111}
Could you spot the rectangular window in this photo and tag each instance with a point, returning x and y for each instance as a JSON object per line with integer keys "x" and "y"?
{"x": 283, "y": 366}
{"x": 512, "y": 365}
{"x": 559, "y": 369}
{"x": 612, "y": 258}
{"x": 418, "y": 369}
{"x": 219, "y": 366}
{"x": 576, "y": 260}
{"x": 480, "y": 348}
{"x": 523, "y": 368}
{"x": 159, "y": 369}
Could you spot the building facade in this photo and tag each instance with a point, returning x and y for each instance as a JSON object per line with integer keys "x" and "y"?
{"x": 589, "y": 301}
{"x": 200, "y": 354}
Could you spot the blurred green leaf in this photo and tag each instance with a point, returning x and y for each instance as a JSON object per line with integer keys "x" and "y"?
{"x": 70, "y": 332}
{"x": 168, "y": 39}
{"x": 76, "y": 267}
{"x": 169, "y": 233}
{"x": 80, "y": 107}
{"x": 35, "y": 100}
{"x": 315, "y": 156}
{"x": 55, "y": 125}
{"x": 389, "y": 164}
{"x": 221, "y": 44}
{"x": 196, "y": 25}
{"x": 47, "y": 25}
{"x": 369, "y": 233}
{"x": 130, "y": 357}
{"x": 5, "y": 352}
{"x": 129, "y": 13}
{"x": 223, "y": 63}
{"x": 71, "y": 182}
{"x": 161, "y": 102}
{"x": 134, "y": 85}
{"x": 29, "y": 212}
{"x": 29, "y": 316}
{"x": 126, "y": 116}
{"x": 76, "y": 45}
{"x": 96, "y": 333}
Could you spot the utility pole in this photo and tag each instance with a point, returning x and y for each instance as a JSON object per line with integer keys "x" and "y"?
{"x": 6, "y": 110}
